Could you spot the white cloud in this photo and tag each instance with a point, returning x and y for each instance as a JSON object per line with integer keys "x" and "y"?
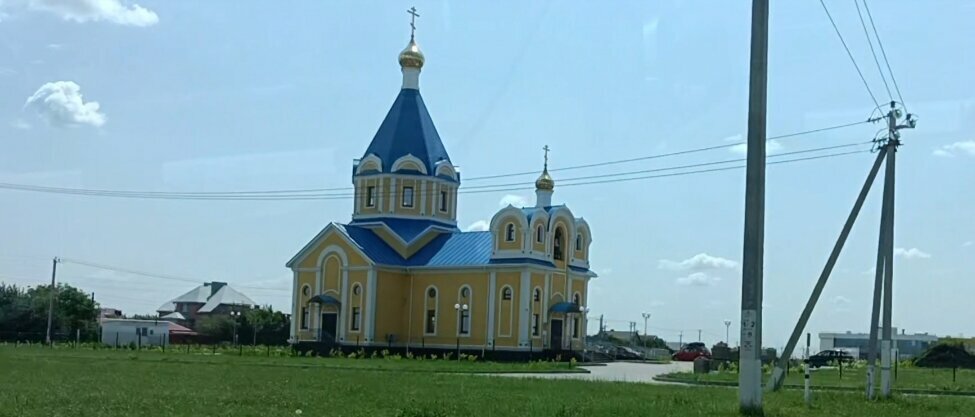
{"x": 61, "y": 104}
{"x": 969, "y": 243}
{"x": 771, "y": 147}
{"x": 20, "y": 124}
{"x": 698, "y": 279}
{"x": 82, "y": 11}
{"x": 514, "y": 200}
{"x": 841, "y": 300}
{"x": 967, "y": 147}
{"x": 54, "y": 46}
{"x": 699, "y": 262}
{"x": 478, "y": 226}
{"x": 912, "y": 253}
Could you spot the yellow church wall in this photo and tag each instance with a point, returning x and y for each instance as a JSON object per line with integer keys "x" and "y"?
{"x": 305, "y": 278}
{"x": 392, "y": 305}
{"x": 333, "y": 238}
{"x": 515, "y": 244}
{"x": 537, "y": 307}
{"x": 448, "y": 285}
{"x": 332, "y": 275}
{"x": 558, "y": 287}
{"x": 506, "y": 322}
{"x": 401, "y": 184}
{"x": 435, "y": 200}
{"x": 536, "y": 245}
{"x": 361, "y": 195}
{"x": 352, "y": 334}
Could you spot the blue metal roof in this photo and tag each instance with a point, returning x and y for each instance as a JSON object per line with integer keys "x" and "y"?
{"x": 529, "y": 211}
{"x": 408, "y": 129}
{"x": 565, "y": 307}
{"x": 324, "y": 299}
{"x": 407, "y": 229}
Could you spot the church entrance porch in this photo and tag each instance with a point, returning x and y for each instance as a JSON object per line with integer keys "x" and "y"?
{"x": 555, "y": 343}
{"x": 329, "y": 327}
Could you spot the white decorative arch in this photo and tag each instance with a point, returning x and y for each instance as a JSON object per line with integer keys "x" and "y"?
{"x": 446, "y": 169}
{"x": 502, "y": 218}
{"x": 370, "y": 163}
{"x": 582, "y": 227}
{"x": 333, "y": 249}
{"x": 405, "y": 160}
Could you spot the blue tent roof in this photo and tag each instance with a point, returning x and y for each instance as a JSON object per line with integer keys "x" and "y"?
{"x": 408, "y": 129}
{"x": 407, "y": 229}
{"x": 565, "y": 307}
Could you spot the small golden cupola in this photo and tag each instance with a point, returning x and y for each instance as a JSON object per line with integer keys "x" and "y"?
{"x": 544, "y": 185}
{"x": 411, "y": 59}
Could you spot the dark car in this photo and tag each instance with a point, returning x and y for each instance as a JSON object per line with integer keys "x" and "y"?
{"x": 692, "y": 351}
{"x": 625, "y": 353}
{"x": 829, "y": 358}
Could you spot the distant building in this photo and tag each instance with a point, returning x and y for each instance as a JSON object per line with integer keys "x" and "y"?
{"x": 211, "y": 298}
{"x": 123, "y": 332}
{"x": 109, "y": 313}
{"x": 857, "y": 344}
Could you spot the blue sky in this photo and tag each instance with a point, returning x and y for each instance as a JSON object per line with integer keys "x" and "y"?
{"x": 216, "y": 96}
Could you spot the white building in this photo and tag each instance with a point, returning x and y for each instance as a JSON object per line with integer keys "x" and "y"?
{"x": 856, "y": 344}
{"x": 123, "y": 332}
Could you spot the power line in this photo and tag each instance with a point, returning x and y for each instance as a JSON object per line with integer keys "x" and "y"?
{"x": 850, "y": 54}
{"x": 884, "y": 53}
{"x": 488, "y": 189}
{"x": 872, "y": 52}
{"x": 152, "y": 275}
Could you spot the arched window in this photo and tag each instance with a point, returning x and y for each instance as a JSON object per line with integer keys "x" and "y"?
{"x": 540, "y": 234}
{"x": 575, "y": 299}
{"x": 579, "y": 242}
{"x": 558, "y": 245}
{"x": 464, "y": 311}
{"x": 536, "y": 312}
{"x": 506, "y": 293}
{"x": 430, "y": 306}
{"x": 506, "y": 313}
{"x": 509, "y": 232}
{"x": 537, "y": 296}
{"x": 355, "y": 315}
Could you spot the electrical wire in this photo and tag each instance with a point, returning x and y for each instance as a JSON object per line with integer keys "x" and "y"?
{"x": 883, "y": 53}
{"x": 850, "y": 54}
{"x": 872, "y": 52}
{"x": 153, "y": 275}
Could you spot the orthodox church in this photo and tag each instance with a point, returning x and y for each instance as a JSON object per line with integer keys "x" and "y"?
{"x": 401, "y": 275}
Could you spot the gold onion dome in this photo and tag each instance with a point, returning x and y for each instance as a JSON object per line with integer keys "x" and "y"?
{"x": 545, "y": 181}
{"x": 411, "y": 57}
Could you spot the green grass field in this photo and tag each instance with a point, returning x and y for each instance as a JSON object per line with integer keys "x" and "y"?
{"x": 64, "y": 382}
{"x": 910, "y": 378}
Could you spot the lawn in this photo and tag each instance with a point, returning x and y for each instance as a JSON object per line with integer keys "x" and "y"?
{"x": 909, "y": 378}
{"x": 53, "y": 382}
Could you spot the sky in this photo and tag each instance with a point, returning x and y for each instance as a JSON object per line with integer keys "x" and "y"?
{"x": 221, "y": 96}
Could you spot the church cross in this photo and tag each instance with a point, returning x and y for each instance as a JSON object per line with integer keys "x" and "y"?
{"x": 413, "y": 16}
{"x": 546, "y": 149}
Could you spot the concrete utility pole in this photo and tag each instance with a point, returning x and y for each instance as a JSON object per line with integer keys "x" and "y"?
{"x": 698, "y": 335}
{"x": 53, "y": 294}
{"x": 727, "y": 332}
{"x": 750, "y": 361}
{"x": 778, "y": 375}
{"x": 646, "y": 316}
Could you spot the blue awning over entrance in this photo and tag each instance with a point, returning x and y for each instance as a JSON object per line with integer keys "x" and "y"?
{"x": 565, "y": 307}
{"x": 324, "y": 300}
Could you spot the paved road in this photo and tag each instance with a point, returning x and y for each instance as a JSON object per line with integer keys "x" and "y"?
{"x": 617, "y": 371}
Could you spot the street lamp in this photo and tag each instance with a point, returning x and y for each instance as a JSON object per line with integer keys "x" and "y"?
{"x": 727, "y": 326}
{"x": 461, "y": 312}
{"x": 236, "y": 316}
{"x": 646, "y": 316}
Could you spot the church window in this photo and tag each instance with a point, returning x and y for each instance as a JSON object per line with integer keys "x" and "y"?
{"x": 540, "y": 234}
{"x": 509, "y": 233}
{"x": 356, "y": 319}
{"x": 443, "y": 200}
{"x": 575, "y": 299}
{"x": 304, "y": 318}
{"x": 506, "y": 293}
{"x": 357, "y": 289}
{"x": 538, "y": 295}
{"x": 465, "y": 292}
{"x": 305, "y": 290}
{"x": 579, "y": 242}
{"x": 465, "y": 321}
{"x": 575, "y": 327}
{"x": 407, "y": 196}
{"x": 558, "y": 245}
{"x": 430, "y": 322}
{"x": 535, "y": 324}
{"x": 371, "y": 196}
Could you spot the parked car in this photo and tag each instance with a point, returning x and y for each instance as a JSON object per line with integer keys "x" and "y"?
{"x": 829, "y": 358}
{"x": 692, "y": 351}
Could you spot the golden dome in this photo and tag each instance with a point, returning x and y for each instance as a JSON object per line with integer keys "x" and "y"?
{"x": 411, "y": 57}
{"x": 545, "y": 181}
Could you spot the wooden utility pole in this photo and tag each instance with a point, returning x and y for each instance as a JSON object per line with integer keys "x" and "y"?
{"x": 53, "y": 293}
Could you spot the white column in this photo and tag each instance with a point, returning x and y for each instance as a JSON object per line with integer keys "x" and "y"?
{"x": 295, "y": 294}
{"x": 546, "y": 296}
{"x": 492, "y": 290}
{"x": 524, "y": 298}
{"x": 371, "y": 319}
{"x": 424, "y": 198}
{"x": 344, "y": 310}
{"x": 392, "y": 195}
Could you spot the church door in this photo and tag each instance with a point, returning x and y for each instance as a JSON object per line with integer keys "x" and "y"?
{"x": 329, "y": 327}
{"x": 556, "y": 332}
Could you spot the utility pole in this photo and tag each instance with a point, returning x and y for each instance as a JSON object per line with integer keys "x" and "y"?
{"x": 601, "y": 327}
{"x": 53, "y": 294}
{"x": 727, "y": 332}
{"x": 750, "y": 361}
{"x": 646, "y": 316}
{"x": 698, "y": 335}
{"x": 680, "y": 341}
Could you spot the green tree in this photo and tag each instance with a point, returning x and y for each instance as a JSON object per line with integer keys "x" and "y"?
{"x": 266, "y": 326}
{"x": 216, "y": 328}
{"x": 24, "y": 312}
